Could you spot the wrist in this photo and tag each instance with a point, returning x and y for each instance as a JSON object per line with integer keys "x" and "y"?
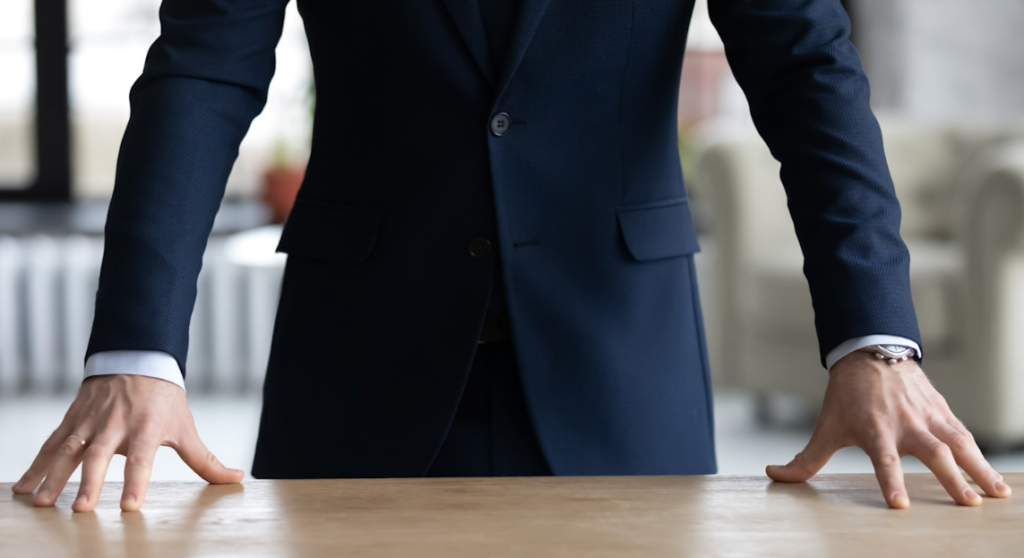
{"x": 891, "y": 354}
{"x": 865, "y": 359}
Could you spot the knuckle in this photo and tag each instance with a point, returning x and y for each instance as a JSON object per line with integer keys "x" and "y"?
{"x": 149, "y": 430}
{"x": 90, "y": 416}
{"x": 69, "y": 447}
{"x": 100, "y": 449}
{"x": 872, "y": 433}
{"x": 936, "y": 450}
{"x": 51, "y": 443}
{"x": 962, "y": 442}
{"x": 149, "y": 423}
{"x": 907, "y": 415}
{"x": 139, "y": 460}
{"x": 887, "y": 459}
{"x": 875, "y": 426}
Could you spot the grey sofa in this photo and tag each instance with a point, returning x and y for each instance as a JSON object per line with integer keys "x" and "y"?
{"x": 961, "y": 187}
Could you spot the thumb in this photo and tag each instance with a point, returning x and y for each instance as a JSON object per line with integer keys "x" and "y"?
{"x": 806, "y": 464}
{"x": 201, "y": 460}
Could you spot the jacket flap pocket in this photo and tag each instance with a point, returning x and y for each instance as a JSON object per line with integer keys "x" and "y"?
{"x": 654, "y": 231}
{"x": 328, "y": 231}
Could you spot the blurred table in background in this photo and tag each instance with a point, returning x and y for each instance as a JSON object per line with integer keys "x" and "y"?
{"x": 837, "y": 515}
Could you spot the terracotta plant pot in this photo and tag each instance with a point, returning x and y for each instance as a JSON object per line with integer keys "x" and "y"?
{"x": 280, "y": 186}
{"x": 700, "y": 87}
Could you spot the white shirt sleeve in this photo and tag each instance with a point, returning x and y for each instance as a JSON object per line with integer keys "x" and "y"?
{"x": 856, "y": 343}
{"x": 154, "y": 364}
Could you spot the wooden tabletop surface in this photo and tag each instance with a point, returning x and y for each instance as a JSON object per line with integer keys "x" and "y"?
{"x": 595, "y": 517}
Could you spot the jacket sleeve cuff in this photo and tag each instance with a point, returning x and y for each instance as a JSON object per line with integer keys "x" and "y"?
{"x": 154, "y": 364}
{"x": 851, "y": 345}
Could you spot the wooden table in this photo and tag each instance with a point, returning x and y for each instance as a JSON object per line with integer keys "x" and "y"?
{"x": 840, "y": 515}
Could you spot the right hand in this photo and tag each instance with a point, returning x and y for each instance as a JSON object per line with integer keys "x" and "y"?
{"x": 127, "y": 415}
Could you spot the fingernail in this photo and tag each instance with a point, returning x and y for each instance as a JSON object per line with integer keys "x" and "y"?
{"x": 899, "y": 500}
{"x": 1002, "y": 487}
{"x": 971, "y": 494}
{"x": 43, "y": 495}
{"x": 82, "y": 499}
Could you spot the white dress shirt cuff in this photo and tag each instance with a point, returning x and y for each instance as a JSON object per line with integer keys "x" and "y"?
{"x": 154, "y": 364}
{"x": 856, "y": 343}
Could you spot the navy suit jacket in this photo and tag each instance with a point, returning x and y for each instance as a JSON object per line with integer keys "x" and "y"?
{"x": 583, "y": 198}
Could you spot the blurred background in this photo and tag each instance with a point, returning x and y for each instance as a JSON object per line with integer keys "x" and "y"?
{"x": 948, "y": 88}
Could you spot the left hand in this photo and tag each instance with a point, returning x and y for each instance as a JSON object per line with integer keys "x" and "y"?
{"x": 890, "y": 411}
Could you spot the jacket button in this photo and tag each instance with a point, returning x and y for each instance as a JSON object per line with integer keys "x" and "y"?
{"x": 500, "y": 124}
{"x": 480, "y": 248}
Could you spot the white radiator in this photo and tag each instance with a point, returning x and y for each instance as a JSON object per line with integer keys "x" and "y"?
{"x": 47, "y": 293}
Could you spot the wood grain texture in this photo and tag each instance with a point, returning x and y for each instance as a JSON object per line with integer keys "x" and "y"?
{"x": 595, "y": 517}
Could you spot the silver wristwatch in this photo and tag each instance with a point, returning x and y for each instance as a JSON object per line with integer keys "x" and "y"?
{"x": 891, "y": 353}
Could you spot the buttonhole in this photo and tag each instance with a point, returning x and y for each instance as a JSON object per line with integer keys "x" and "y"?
{"x": 526, "y": 244}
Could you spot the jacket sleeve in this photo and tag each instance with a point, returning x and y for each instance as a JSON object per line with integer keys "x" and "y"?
{"x": 809, "y": 99}
{"x": 205, "y": 79}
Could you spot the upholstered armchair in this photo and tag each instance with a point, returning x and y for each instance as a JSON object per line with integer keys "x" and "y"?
{"x": 961, "y": 188}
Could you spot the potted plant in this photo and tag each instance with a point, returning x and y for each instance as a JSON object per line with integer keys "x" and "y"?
{"x": 281, "y": 181}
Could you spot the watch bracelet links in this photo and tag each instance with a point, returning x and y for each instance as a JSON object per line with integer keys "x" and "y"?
{"x": 892, "y": 354}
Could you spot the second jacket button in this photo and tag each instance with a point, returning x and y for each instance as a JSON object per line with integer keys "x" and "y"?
{"x": 480, "y": 248}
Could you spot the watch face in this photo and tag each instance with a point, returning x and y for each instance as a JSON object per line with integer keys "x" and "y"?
{"x": 898, "y": 352}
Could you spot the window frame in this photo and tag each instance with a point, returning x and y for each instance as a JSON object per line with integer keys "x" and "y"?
{"x": 52, "y": 180}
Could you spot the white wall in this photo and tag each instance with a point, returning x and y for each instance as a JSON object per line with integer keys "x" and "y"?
{"x": 108, "y": 44}
{"x": 945, "y": 59}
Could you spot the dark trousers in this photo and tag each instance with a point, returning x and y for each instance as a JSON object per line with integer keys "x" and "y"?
{"x": 492, "y": 434}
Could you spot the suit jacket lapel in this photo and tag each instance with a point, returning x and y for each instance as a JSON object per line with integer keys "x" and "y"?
{"x": 466, "y": 15}
{"x": 530, "y": 14}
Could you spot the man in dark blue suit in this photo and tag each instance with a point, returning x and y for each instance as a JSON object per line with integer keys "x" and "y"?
{"x": 490, "y": 262}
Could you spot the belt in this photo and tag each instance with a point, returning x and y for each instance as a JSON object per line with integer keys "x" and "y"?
{"x": 495, "y": 329}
